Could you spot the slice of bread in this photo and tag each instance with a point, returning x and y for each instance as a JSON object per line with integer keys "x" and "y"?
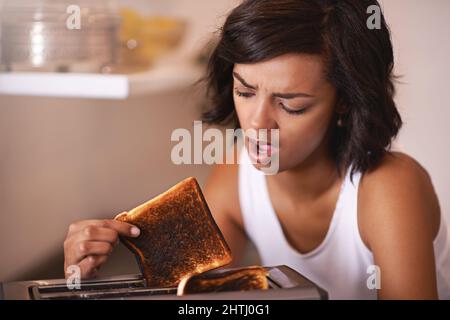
{"x": 178, "y": 236}
{"x": 241, "y": 279}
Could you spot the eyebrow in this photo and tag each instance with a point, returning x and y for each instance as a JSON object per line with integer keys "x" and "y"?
{"x": 279, "y": 95}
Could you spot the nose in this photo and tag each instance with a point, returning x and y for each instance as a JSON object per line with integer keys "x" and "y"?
{"x": 263, "y": 117}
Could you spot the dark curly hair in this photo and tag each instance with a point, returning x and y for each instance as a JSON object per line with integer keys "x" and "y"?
{"x": 359, "y": 64}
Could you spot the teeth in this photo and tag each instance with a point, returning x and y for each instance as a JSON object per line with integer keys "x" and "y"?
{"x": 256, "y": 142}
{"x": 261, "y": 149}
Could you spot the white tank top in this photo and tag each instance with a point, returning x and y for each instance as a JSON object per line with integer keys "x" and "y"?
{"x": 341, "y": 264}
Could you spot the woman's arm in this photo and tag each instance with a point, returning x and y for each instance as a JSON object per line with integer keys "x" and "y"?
{"x": 221, "y": 193}
{"x": 399, "y": 218}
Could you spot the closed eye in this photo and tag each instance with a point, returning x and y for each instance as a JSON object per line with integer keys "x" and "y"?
{"x": 244, "y": 94}
{"x": 293, "y": 111}
{"x": 283, "y": 106}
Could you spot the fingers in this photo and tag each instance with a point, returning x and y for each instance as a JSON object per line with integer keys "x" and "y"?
{"x": 89, "y": 266}
{"x": 88, "y": 248}
{"x": 95, "y": 233}
{"x": 75, "y": 252}
{"x": 79, "y": 225}
{"x": 123, "y": 228}
{"x": 94, "y": 238}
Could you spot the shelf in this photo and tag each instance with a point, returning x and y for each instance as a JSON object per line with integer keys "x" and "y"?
{"x": 99, "y": 86}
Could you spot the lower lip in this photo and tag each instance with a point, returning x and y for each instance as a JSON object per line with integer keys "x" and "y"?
{"x": 263, "y": 155}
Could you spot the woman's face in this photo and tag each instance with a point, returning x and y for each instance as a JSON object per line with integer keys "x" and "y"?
{"x": 289, "y": 93}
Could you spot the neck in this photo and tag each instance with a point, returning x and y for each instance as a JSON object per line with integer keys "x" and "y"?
{"x": 309, "y": 180}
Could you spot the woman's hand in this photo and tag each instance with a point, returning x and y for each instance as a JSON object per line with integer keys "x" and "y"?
{"x": 89, "y": 243}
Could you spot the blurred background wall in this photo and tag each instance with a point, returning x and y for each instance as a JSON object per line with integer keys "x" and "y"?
{"x": 421, "y": 33}
{"x": 63, "y": 160}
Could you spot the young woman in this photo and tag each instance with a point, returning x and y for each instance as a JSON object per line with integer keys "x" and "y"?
{"x": 360, "y": 220}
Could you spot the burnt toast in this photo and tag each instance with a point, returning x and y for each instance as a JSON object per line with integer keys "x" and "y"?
{"x": 241, "y": 279}
{"x": 178, "y": 236}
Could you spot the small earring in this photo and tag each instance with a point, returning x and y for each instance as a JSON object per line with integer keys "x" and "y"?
{"x": 340, "y": 123}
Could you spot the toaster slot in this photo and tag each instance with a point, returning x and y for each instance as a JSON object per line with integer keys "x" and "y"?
{"x": 97, "y": 290}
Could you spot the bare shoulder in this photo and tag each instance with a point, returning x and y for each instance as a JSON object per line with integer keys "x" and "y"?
{"x": 398, "y": 192}
{"x": 397, "y": 168}
{"x": 399, "y": 216}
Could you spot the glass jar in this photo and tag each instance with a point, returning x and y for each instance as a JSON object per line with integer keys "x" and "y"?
{"x": 59, "y": 35}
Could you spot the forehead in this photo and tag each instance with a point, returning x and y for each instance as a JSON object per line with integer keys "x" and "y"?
{"x": 286, "y": 72}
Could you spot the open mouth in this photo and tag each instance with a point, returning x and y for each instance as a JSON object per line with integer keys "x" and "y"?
{"x": 261, "y": 152}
